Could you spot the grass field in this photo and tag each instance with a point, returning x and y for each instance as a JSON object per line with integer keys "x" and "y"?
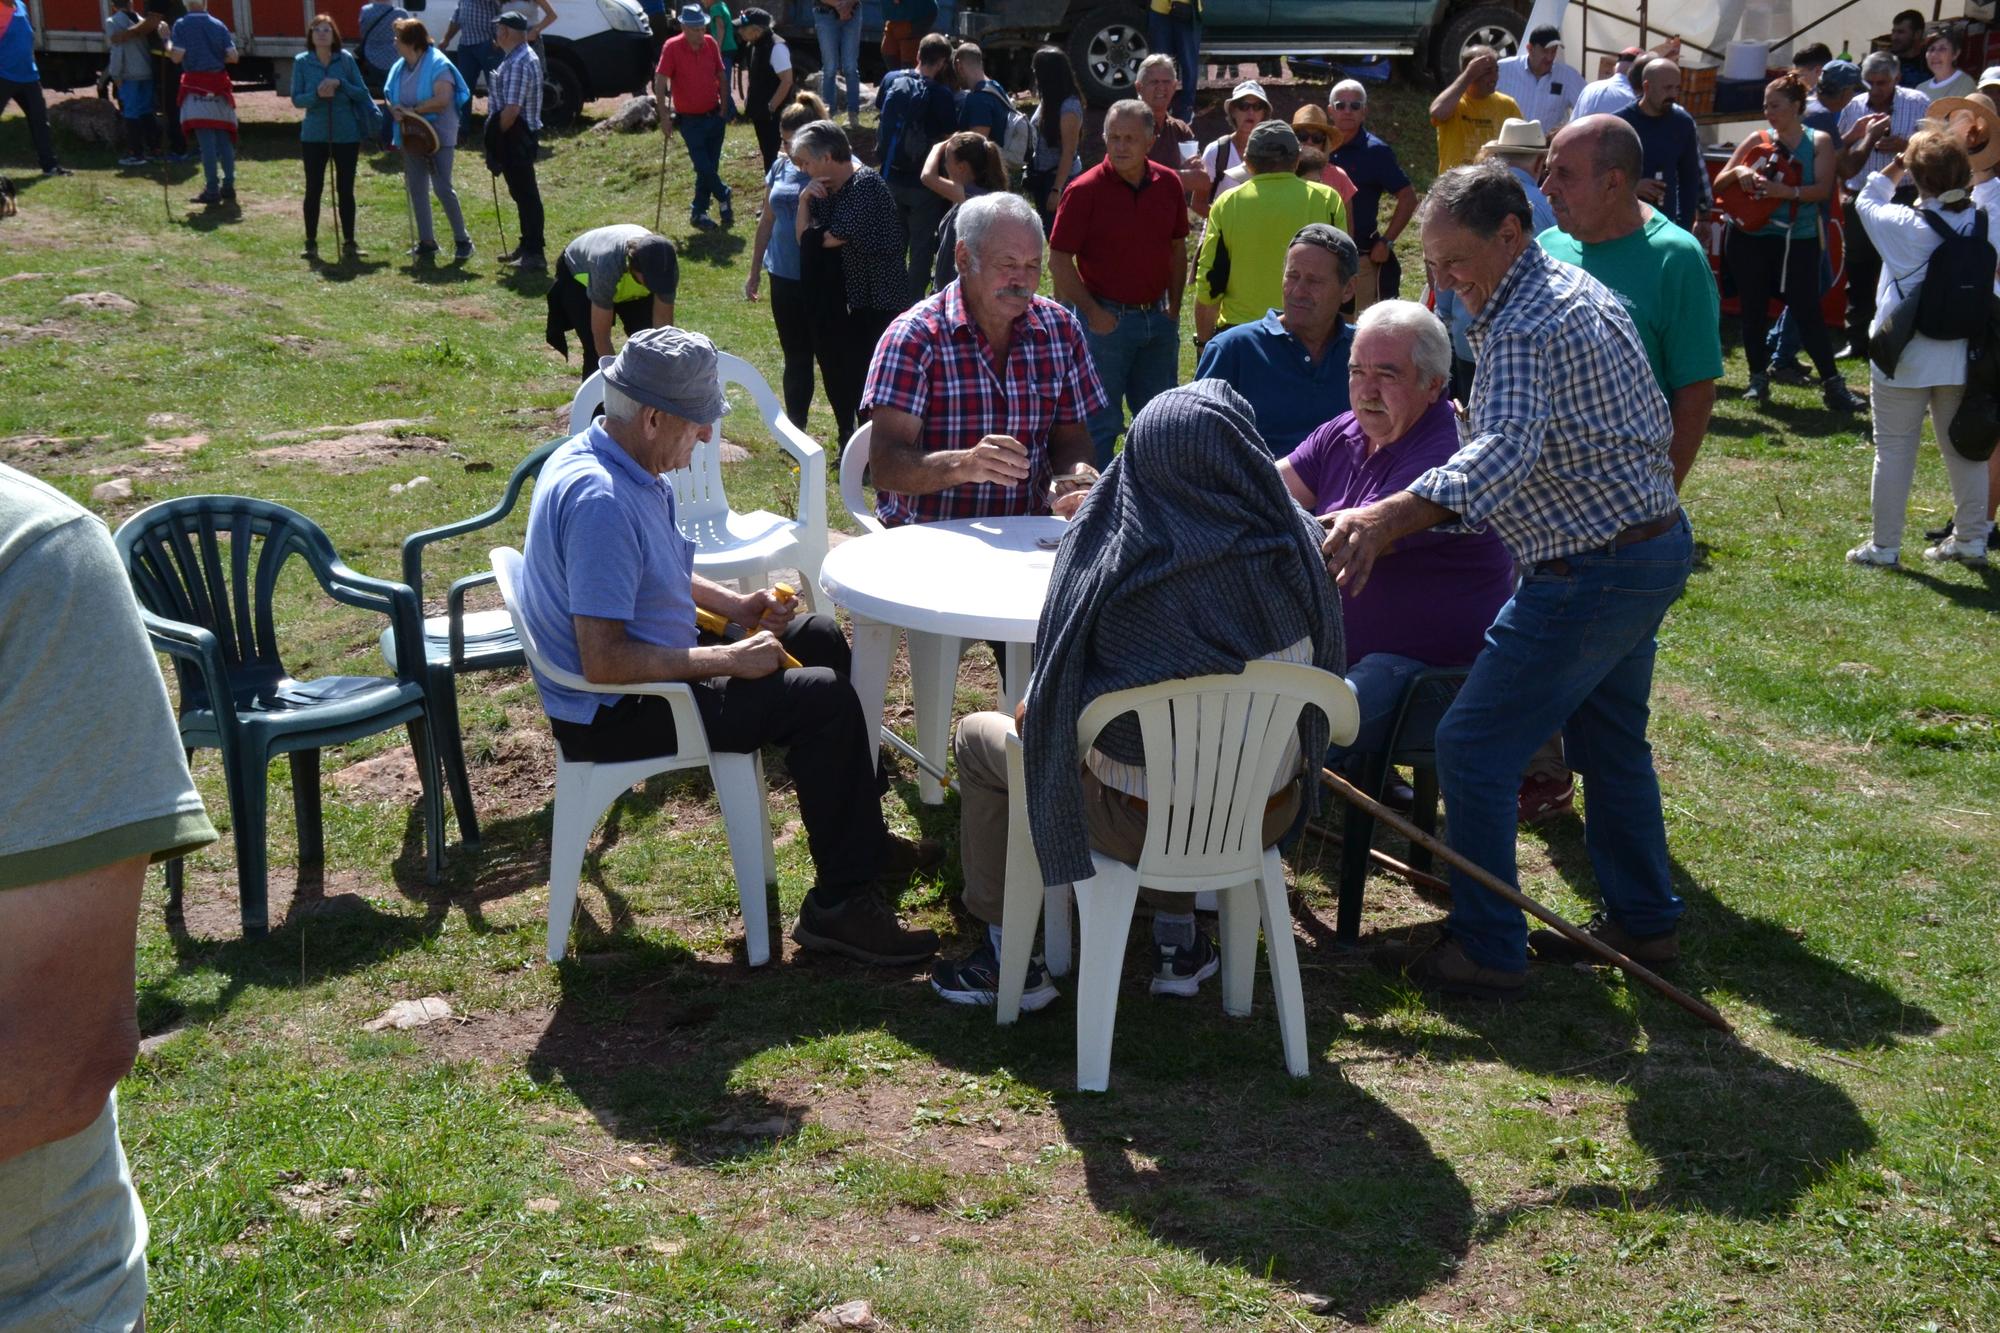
{"x": 652, "y": 1136}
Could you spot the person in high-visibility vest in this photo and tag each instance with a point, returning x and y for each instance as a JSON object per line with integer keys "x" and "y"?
{"x": 622, "y": 271}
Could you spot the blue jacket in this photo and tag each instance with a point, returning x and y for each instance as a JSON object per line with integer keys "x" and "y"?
{"x": 431, "y": 67}
{"x": 346, "y": 117}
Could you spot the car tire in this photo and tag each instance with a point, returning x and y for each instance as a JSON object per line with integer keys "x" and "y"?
{"x": 1105, "y": 48}
{"x": 1498, "y": 26}
{"x": 562, "y": 93}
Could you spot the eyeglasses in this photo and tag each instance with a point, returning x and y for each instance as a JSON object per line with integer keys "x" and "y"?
{"x": 1350, "y": 106}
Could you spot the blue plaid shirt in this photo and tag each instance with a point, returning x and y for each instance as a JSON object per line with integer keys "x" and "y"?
{"x": 1567, "y": 438}
{"x": 517, "y": 81}
{"x": 475, "y": 21}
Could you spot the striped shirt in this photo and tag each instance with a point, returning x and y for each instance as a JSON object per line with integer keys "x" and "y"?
{"x": 517, "y": 81}
{"x": 1567, "y": 438}
{"x": 1909, "y": 107}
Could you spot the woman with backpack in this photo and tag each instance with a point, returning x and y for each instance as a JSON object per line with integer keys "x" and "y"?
{"x": 1778, "y": 181}
{"x": 1932, "y": 297}
{"x": 1057, "y": 121}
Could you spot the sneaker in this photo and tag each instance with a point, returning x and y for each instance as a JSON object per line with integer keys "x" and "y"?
{"x": 1442, "y": 966}
{"x": 1181, "y": 968}
{"x": 975, "y": 979}
{"x": 1658, "y": 950}
{"x": 229, "y": 194}
{"x": 422, "y": 250}
{"x": 311, "y": 253}
{"x": 462, "y": 251}
{"x": 1839, "y": 398}
{"x": 57, "y": 171}
{"x": 728, "y": 213}
{"x": 1965, "y": 553}
{"x": 1868, "y": 553}
{"x": 349, "y": 250}
{"x": 1758, "y": 390}
{"x": 701, "y": 222}
{"x": 132, "y": 161}
{"x": 531, "y": 264}
{"x": 1544, "y": 796}
{"x": 862, "y": 927}
{"x": 1789, "y": 371}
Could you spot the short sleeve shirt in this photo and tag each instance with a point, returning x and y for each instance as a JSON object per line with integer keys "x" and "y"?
{"x": 1166, "y": 149}
{"x": 1660, "y": 274}
{"x": 602, "y": 542}
{"x": 694, "y": 70}
{"x": 206, "y": 42}
{"x": 1122, "y": 235}
{"x": 1291, "y": 393}
{"x": 1473, "y": 124}
{"x": 1371, "y": 164}
{"x": 597, "y": 258}
{"x": 984, "y": 105}
{"x": 934, "y": 363}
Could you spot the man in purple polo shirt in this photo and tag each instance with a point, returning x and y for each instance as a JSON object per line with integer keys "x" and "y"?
{"x": 1431, "y": 599}
{"x": 609, "y": 587}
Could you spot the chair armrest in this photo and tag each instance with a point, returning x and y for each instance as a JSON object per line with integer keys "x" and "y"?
{"x": 678, "y": 694}
{"x": 199, "y": 647}
{"x": 395, "y": 601}
{"x": 454, "y": 603}
{"x": 414, "y": 544}
{"x": 811, "y": 509}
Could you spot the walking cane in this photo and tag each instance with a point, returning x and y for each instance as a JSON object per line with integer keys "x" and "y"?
{"x": 1418, "y": 838}
{"x": 660, "y": 204}
{"x": 498, "y": 220}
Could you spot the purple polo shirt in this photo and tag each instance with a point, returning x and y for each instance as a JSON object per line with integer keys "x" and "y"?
{"x": 1433, "y": 595}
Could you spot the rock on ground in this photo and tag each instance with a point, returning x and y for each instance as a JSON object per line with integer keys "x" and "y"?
{"x": 107, "y": 301}
{"x": 119, "y": 488}
{"x": 88, "y": 119}
{"x": 636, "y": 113}
{"x": 410, "y": 1014}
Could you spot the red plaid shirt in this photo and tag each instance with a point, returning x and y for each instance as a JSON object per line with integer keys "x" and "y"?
{"x": 935, "y": 364}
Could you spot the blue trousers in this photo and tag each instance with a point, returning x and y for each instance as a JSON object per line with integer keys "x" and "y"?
{"x": 839, "y": 51}
{"x": 1379, "y": 680}
{"x": 1137, "y": 361}
{"x": 1182, "y": 41}
{"x": 1785, "y": 334}
{"x": 703, "y": 137}
{"x": 474, "y": 59}
{"x": 1571, "y": 650}
{"x": 218, "y": 158}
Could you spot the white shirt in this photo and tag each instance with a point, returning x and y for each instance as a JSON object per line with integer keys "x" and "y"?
{"x": 781, "y": 55}
{"x": 1905, "y": 241}
{"x": 1549, "y": 99}
{"x": 1606, "y": 97}
{"x": 1909, "y": 107}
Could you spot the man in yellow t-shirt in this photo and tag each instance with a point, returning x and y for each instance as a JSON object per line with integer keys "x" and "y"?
{"x": 1470, "y": 111}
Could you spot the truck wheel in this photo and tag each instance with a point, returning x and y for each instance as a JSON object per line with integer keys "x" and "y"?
{"x": 562, "y": 94}
{"x": 1496, "y": 26}
{"x": 1105, "y": 48}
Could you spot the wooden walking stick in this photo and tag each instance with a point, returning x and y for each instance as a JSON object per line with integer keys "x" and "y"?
{"x": 1354, "y": 795}
{"x": 498, "y": 220}
{"x": 660, "y": 204}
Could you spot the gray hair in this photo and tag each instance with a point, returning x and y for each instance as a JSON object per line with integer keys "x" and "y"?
{"x": 1154, "y": 61}
{"x": 620, "y": 406}
{"x": 1430, "y": 345}
{"x": 980, "y": 214}
{"x": 1479, "y": 198}
{"x": 1880, "y": 62}
{"x": 1345, "y": 85}
{"x": 1130, "y": 106}
{"x": 823, "y": 138}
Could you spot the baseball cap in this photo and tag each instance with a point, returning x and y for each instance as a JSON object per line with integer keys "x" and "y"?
{"x": 1248, "y": 88}
{"x": 1272, "y": 138}
{"x": 1546, "y": 34}
{"x": 668, "y": 368}
{"x": 1332, "y": 240}
{"x": 1992, "y": 75}
{"x": 659, "y": 266}
{"x": 754, "y": 18}
{"x": 1840, "y": 75}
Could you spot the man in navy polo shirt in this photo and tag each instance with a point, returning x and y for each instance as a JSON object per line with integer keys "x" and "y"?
{"x": 1292, "y": 364}
{"x": 1371, "y": 164}
{"x": 1118, "y": 255}
{"x": 609, "y": 586}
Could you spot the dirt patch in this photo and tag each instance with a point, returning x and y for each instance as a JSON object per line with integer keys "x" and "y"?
{"x": 390, "y": 778}
{"x": 14, "y": 331}
{"x": 210, "y": 909}
{"x": 359, "y": 452}
{"x": 387, "y": 425}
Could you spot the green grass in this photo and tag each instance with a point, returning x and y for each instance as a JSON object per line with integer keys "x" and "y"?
{"x": 652, "y": 1136}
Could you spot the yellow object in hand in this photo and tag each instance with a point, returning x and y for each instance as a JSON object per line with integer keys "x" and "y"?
{"x": 706, "y": 619}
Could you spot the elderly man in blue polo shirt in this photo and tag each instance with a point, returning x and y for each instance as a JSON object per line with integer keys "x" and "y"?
{"x": 1292, "y": 364}
{"x": 610, "y": 588}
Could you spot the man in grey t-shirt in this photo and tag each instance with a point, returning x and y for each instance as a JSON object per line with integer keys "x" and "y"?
{"x": 621, "y": 272}
{"x": 94, "y": 788}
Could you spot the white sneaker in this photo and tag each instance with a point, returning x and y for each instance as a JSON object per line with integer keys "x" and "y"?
{"x": 1868, "y": 553}
{"x": 131, "y": 161}
{"x": 1951, "y": 548}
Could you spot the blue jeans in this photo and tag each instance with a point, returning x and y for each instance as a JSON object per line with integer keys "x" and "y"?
{"x": 1572, "y": 651}
{"x": 1785, "y": 334}
{"x": 947, "y": 15}
{"x": 218, "y": 158}
{"x": 1137, "y": 361}
{"x": 474, "y": 59}
{"x": 728, "y": 88}
{"x": 1379, "y": 680}
{"x": 1182, "y": 41}
{"x": 703, "y": 137}
{"x": 839, "y": 47}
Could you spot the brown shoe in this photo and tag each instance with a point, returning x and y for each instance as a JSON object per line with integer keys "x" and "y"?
{"x": 906, "y": 858}
{"x": 861, "y": 926}
{"x": 1652, "y": 950}
{"x": 1443, "y": 967}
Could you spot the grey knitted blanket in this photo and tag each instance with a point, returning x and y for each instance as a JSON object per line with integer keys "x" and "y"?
{"x": 1188, "y": 558}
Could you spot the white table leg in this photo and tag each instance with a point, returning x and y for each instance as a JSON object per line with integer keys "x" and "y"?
{"x": 1020, "y": 661}
{"x": 934, "y": 680}
{"x": 874, "y": 651}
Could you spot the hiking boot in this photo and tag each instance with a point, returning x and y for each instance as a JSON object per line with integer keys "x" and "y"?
{"x": 1833, "y": 391}
{"x": 1868, "y": 553}
{"x": 57, "y": 171}
{"x": 728, "y": 212}
{"x": 531, "y": 264}
{"x": 1964, "y": 553}
{"x": 423, "y": 250}
{"x": 1759, "y": 390}
{"x": 207, "y": 199}
{"x": 311, "y": 253}
{"x": 905, "y": 857}
{"x": 1443, "y": 967}
{"x": 701, "y": 222}
{"x": 1544, "y": 796}
{"x": 462, "y": 251}
{"x": 1179, "y": 969}
{"x": 511, "y": 255}
{"x": 1789, "y": 371}
{"x": 1659, "y": 950}
{"x": 861, "y": 926}
{"x": 229, "y": 194}
{"x": 975, "y": 979}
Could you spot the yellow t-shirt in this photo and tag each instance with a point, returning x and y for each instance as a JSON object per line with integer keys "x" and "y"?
{"x": 1472, "y": 126}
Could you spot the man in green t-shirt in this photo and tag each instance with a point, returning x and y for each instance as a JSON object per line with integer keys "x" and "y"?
{"x": 1657, "y": 270}
{"x": 95, "y": 787}
{"x": 1240, "y": 269}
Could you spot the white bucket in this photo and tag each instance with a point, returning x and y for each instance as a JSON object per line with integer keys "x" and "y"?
{"x": 1745, "y": 60}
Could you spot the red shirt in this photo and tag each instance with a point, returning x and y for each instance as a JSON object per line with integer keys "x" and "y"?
{"x": 1122, "y": 236}
{"x": 695, "y": 73}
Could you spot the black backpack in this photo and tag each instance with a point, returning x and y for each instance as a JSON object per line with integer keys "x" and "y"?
{"x": 1958, "y": 281}
{"x": 906, "y": 142}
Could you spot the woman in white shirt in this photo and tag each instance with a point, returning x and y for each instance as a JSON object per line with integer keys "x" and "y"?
{"x": 1246, "y": 108}
{"x": 1929, "y": 373}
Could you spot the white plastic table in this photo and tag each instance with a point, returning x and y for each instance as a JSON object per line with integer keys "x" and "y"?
{"x": 941, "y": 585}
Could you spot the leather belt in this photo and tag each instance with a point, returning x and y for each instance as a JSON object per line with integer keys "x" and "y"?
{"x": 1638, "y": 532}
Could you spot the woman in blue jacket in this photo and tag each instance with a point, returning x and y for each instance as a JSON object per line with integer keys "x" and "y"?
{"x": 423, "y": 85}
{"x": 327, "y": 84}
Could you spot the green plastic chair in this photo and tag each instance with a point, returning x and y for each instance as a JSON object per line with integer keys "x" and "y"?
{"x": 459, "y": 641}
{"x": 204, "y": 568}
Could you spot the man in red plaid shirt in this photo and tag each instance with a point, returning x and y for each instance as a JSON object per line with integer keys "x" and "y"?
{"x": 982, "y": 395}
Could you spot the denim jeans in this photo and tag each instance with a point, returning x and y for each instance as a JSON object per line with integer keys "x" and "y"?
{"x": 218, "y": 158}
{"x": 1573, "y": 651}
{"x": 703, "y": 137}
{"x": 839, "y": 48}
{"x": 921, "y": 209}
{"x": 474, "y": 59}
{"x": 1379, "y": 680}
{"x": 1137, "y": 361}
{"x": 1182, "y": 41}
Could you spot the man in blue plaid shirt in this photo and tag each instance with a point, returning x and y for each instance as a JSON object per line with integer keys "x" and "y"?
{"x": 513, "y": 130}
{"x": 1565, "y": 456}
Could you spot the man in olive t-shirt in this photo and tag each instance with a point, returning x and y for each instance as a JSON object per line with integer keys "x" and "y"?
{"x": 94, "y": 787}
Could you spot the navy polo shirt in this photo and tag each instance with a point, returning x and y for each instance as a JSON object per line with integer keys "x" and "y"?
{"x": 1267, "y": 365}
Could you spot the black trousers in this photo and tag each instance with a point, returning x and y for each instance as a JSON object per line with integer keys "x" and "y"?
{"x": 526, "y": 192}
{"x": 1864, "y": 270}
{"x": 812, "y": 712}
{"x": 1755, "y": 263}
{"x": 28, "y": 96}
{"x": 844, "y": 358}
{"x": 633, "y": 315}
{"x": 343, "y": 156}
{"x": 792, "y": 313}
{"x": 167, "y": 84}
{"x": 142, "y": 134}
{"x": 767, "y": 136}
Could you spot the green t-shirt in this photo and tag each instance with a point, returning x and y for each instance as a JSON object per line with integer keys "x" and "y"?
{"x": 1660, "y": 274}
{"x": 724, "y": 24}
{"x": 1249, "y": 230}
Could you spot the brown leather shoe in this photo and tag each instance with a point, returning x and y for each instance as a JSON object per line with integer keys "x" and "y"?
{"x": 861, "y": 926}
{"x": 1652, "y": 950}
{"x": 1443, "y": 967}
{"x": 905, "y": 857}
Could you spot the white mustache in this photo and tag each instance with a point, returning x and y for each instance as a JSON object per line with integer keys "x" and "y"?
{"x": 1023, "y": 293}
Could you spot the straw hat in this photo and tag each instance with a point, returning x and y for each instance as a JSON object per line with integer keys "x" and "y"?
{"x": 1519, "y": 138}
{"x": 1945, "y": 114}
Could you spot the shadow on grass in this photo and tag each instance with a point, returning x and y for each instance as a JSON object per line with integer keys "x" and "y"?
{"x": 1984, "y": 596}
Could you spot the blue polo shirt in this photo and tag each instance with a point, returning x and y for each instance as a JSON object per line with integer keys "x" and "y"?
{"x": 17, "y": 48}
{"x": 985, "y": 105}
{"x": 1266, "y": 364}
{"x": 602, "y": 542}
{"x": 206, "y": 41}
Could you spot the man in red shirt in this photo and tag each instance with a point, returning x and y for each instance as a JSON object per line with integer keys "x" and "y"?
{"x": 687, "y": 85}
{"x": 1118, "y": 254}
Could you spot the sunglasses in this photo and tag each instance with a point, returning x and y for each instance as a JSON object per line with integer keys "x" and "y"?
{"x": 1311, "y": 136}
{"x": 1350, "y": 106}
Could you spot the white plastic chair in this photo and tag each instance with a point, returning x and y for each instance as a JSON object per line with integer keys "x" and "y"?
{"x": 584, "y": 791}
{"x": 1213, "y": 749}
{"x": 732, "y": 547}
{"x": 853, "y": 475}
